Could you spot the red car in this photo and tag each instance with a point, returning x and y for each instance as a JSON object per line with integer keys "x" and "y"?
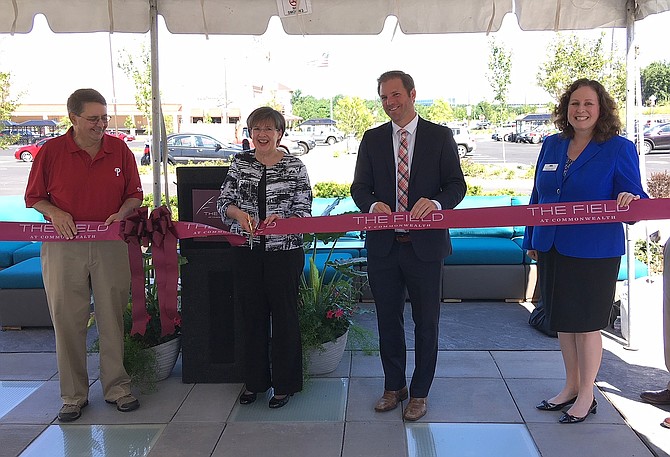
{"x": 29, "y": 152}
{"x": 121, "y": 135}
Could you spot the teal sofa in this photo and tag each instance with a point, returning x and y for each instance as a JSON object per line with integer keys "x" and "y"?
{"x": 23, "y": 302}
{"x": 486, "y": 264}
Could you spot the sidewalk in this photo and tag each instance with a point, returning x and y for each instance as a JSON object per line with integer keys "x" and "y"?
{"x": 492, "y": 369}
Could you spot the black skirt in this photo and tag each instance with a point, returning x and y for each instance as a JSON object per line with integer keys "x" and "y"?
{"x": 578, "y": 292}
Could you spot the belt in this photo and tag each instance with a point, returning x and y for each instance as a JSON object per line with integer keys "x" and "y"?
{"x": 403, "y": 238}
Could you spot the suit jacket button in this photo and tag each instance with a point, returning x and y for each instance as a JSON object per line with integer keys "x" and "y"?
{"x": 558, "y": 191}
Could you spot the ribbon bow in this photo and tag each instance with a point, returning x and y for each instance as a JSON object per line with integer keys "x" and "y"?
{"x": 158, "y": 231}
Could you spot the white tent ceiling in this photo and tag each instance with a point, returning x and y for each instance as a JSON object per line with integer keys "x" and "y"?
{"x": 327, "y": 17}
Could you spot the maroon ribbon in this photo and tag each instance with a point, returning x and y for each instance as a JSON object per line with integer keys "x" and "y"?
{"x": 589, "y": 212}
{"x": 158, "y": 231}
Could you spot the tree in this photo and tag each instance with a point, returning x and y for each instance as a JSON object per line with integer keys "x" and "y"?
{"x": 129, "y": 122}
{"x": 377, "y": 110}
{"x": 500, "y": 68}
{"x": 7, "y": 106}
{"x": 352, "y": 116}
{"x": 440, "y": 111}
{"x": 138, "y": 68}
{"x": 309, "y": 107}
{"x": 64, "y": 123}
{"x": 571, "y": 58}
{"x": 656, "y": 81}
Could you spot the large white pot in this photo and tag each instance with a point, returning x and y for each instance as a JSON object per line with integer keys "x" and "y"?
{"x": 166, "y": 357}
{"x": 328, "y": 357}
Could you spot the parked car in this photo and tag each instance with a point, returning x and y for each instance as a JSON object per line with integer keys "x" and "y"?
{"x": 29, "y": 152}
{"x": 656, "y": 137}
{"x": 303, "y": 138}
{"x": 193, "y": 147}
{"x": 323, "y": 130}
{"x": 124, "y": 136}
{"x": 295, "y": 146}
{"x": 533, "y": 136}
{"x": 464, "y": 141}
{"x": 505, "y": 132}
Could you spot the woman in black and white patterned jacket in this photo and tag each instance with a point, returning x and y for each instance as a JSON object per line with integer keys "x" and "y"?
{"x": 265, "y": 184}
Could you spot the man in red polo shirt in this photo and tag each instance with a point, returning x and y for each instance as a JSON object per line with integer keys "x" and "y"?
{"x": 86, "y": 175}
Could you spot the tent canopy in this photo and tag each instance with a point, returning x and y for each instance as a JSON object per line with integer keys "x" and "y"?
{"x": 39, "y": 123}
{"x": 324, "y": 17}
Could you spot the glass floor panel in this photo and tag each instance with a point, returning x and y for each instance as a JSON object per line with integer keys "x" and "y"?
{"x": 321, "y": 400}
{"x": 469, "y": 440}
{"x": 14, "y": 392}
{"x": 94, "y": 441}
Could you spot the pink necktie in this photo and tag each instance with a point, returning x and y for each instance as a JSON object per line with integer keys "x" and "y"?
{"x": 403, "y": 171}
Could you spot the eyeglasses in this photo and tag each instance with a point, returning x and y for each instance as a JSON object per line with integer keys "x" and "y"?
{"x": 95, "y": 119}
{"x": 264, "y": 129}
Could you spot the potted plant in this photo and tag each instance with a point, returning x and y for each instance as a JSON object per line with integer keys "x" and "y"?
{"x": 326, "y": 308}
{"x": 149, "y": 358}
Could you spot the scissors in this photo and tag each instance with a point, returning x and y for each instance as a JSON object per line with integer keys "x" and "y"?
{"x": 251, "y": 232}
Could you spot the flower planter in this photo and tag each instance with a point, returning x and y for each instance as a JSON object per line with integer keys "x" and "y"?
{"x": 328, "y": 357}
{"x": 166, "y": 357}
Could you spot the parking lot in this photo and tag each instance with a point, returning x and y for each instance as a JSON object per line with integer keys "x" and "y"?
{"x": 332, "y": 163}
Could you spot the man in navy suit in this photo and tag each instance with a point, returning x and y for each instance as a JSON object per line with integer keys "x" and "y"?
{"x": 412, "y": 260}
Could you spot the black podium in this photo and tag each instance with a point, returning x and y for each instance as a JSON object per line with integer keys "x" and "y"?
{"x": 211, "y": 318}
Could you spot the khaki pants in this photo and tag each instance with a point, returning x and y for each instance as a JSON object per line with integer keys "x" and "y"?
{"x": 71, "y": 270}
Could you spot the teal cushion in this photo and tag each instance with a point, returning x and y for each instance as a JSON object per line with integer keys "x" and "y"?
{"x": 27, "y": 252}
{"x": 519, "y": 241}
{"x": 484, "y": 251}
{"x": 320, "y": 262}
{"x": 484, "y": 201}
{"x": 319, "y": 205}
{"x": 7, "y": 249}
{"x": 520, "y": 200}
{"x": 346, "y": 205}
{"x": 479, "y": 201}
{"x": 13, "y": 209}
{"x": 641, "y": 269}
{"x": 24, "y": 275}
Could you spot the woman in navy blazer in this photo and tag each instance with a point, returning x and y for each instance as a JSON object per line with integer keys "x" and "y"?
{"x": 578, "y": 264}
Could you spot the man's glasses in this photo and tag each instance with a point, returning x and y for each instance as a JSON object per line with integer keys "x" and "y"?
{"x": 95, "y": 119}
{"x": 264, "y": 129}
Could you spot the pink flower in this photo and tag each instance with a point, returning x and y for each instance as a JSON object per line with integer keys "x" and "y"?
{"x": 339, "y": 313}
{"x": 330, "y": 314}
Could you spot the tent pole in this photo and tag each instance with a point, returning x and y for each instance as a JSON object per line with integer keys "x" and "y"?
{"x": 631, "y": 133}
{"x": 155, "y": 104}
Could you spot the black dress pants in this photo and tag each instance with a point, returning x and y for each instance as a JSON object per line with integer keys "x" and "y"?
{"x": 266, "y": 283}
{"x": 388, "y": 277}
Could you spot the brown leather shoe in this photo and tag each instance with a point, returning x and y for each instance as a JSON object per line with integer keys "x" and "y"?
{"x": 390, "y": 400}
{"x": 416, "y": 409}
{"x": 656, "y": 397}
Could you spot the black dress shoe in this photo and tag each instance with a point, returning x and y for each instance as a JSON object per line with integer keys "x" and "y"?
{"x": 278, "y": 402}
{"x": 656, "y": 397}
{"x": 247, "y": 398}
{"x": 570, "y": 419}
{"x": 547, "y": 406}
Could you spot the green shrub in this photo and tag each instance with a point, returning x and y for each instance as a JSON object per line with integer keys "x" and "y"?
{"x": 655, "y": 251}
{"x": 149, "y": 202}
{"x": 474, "y": 190}
{"x": 473, "y": 169}
{"x": 331, "y": 189}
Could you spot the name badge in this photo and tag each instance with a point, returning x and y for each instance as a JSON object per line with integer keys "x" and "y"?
{"x": 550, "y": 167}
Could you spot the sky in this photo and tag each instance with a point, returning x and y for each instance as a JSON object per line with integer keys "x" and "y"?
{"x": 195, "y": 70}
